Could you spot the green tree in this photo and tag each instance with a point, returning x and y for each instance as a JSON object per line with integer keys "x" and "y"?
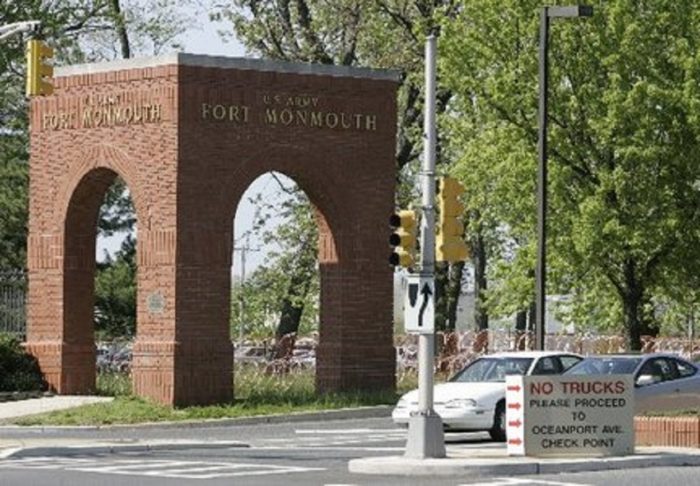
{"x": 623, "y": 145}
{"x": 79, "y": 30}
{"x": 115, "y": 292}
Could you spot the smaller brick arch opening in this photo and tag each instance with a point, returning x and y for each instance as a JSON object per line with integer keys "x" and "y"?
{"x": 79, "y": 272}
{"x": 283, "y": 254}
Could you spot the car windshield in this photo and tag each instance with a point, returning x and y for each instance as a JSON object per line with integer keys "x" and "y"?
{"x": 492, "y": 370}
{"x": 605, "y": 366}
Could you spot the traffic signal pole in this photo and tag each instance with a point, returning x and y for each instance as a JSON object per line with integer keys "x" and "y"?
{"x": 426, "y": 438}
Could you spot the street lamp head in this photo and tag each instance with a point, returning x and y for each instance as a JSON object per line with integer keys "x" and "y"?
{"x": 570, "y": 11}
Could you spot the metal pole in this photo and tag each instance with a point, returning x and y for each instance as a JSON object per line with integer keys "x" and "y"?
{"x": 425, "y": 434}
{"x": 240, "y": 325}
{"x": 427, "y": 227}
{"x": 541, "y": 269}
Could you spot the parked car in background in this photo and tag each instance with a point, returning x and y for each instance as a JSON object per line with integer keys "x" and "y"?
{"x": 474, "y": 399}
{"x": 662, "y": 381}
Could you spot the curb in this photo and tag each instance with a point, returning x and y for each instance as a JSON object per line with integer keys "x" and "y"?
{"x": 112, "y": 448}
{"x": 481, "y": 467}
{"x": 379, "y": 411}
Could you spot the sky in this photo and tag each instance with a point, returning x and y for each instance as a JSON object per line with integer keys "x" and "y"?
{"x": 204, "y": 39}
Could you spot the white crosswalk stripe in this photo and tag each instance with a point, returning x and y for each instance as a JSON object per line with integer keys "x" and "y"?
{"x": 522, "y": 482}
{"x": 336, "y": 438}
{"x": 153, "y": 468}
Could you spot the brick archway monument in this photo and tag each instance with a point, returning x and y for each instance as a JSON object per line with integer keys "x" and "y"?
{"x": 188, "y": 134}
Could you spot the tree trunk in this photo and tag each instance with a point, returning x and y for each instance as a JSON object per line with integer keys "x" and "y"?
{"x": 520, "y": 330}
{"x": 290, "y": 317}
{"x": 630, "y": 304}
{"x": 120, "y": 26}
{"x": 441, "y": 295}
{"x": 632, "y": 300}
{"x": 481, "y": 317}
{"x": 290, "y": 314}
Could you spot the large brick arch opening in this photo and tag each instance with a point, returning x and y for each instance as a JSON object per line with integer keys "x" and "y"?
{"x": 189, "y": 134}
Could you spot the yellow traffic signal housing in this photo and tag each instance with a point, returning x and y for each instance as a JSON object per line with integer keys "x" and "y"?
{"x": 403, "y": 238}
{"x": 449, "y": 244}
{"x": 39, "y": 71}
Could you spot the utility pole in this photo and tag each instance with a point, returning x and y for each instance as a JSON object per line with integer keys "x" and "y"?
{"x": 243, "y": 249}
{"x": 426, "y": 437}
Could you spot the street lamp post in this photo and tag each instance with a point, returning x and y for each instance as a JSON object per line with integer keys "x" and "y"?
{"x": 541, "y": 270}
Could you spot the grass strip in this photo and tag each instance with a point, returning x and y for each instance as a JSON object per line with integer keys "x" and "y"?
{"x": 257, "y": 392}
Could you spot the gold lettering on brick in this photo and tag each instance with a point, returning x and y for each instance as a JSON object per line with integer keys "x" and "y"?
{"x": 230, "y": 113}
{"x": 303, "y": 110}
{"x": 319, "y": 119}
{"x": 106, "y": 110}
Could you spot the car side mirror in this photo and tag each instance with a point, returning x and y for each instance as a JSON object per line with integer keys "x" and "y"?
{"x": 645, "y": 380}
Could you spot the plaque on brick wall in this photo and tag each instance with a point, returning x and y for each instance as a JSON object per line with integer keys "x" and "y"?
{"x": 155, "y": 303}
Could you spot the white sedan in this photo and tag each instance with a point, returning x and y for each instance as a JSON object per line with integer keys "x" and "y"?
{"x": 475, "y": 398}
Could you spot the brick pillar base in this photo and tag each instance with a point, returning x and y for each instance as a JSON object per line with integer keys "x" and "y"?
{"x": 69, "y": 368}
{"x": 172, "y": 373}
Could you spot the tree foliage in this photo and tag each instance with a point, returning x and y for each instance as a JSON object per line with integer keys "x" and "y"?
{"x": 115, "y": 292}
{"x": 624, "y": 204}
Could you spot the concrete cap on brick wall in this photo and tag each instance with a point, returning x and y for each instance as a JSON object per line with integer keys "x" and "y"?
{"x": 222, "y": 62}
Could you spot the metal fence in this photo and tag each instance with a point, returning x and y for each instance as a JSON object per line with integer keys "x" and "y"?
{"x": 13, "y": 287}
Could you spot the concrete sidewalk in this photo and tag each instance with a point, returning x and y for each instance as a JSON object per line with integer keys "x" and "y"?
{"x": 470, "y": 462}
{"x": 33, "y": 406}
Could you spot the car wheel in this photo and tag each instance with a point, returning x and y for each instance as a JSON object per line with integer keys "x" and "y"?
{"x": 498, "y": 431}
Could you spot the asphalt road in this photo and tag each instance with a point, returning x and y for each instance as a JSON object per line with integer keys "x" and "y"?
{"x": 294, "y": 454}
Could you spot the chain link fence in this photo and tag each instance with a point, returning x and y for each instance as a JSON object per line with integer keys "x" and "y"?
{"x": 13, "y": 288}
{"x": 293, "y": 354}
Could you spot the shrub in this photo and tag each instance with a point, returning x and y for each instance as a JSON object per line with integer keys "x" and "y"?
{"x": 19, "y": 371}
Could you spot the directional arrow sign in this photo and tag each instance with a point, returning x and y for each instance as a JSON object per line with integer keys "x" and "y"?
{"x": 419, "y": 305}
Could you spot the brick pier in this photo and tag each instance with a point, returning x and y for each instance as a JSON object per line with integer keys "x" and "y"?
{"x": 188, "y": 134}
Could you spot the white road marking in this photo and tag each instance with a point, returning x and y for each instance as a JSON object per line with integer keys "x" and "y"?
{"x": 154, "y": 468}
{"x": 522, "y": 481}
{"x": 341, "y": 439}
{"x": 341, "y": 431}
{"x": 350, "y": 448}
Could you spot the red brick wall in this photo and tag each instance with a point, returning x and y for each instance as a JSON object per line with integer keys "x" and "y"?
{"x": 667, "y": 431}
{"x": 187, "y": 169}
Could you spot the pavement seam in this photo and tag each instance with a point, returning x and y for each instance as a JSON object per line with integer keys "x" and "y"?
{"x": 106, "y": 448}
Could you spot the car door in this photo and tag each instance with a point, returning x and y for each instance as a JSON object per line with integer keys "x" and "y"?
{"x": 686, "y": 384}
{"x": 659, "y": 395}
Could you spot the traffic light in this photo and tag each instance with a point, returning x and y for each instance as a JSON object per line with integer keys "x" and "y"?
{"x": 39, "y": 71}
{"x": 403, "y": 238}
{"x": 450, "y": 245}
